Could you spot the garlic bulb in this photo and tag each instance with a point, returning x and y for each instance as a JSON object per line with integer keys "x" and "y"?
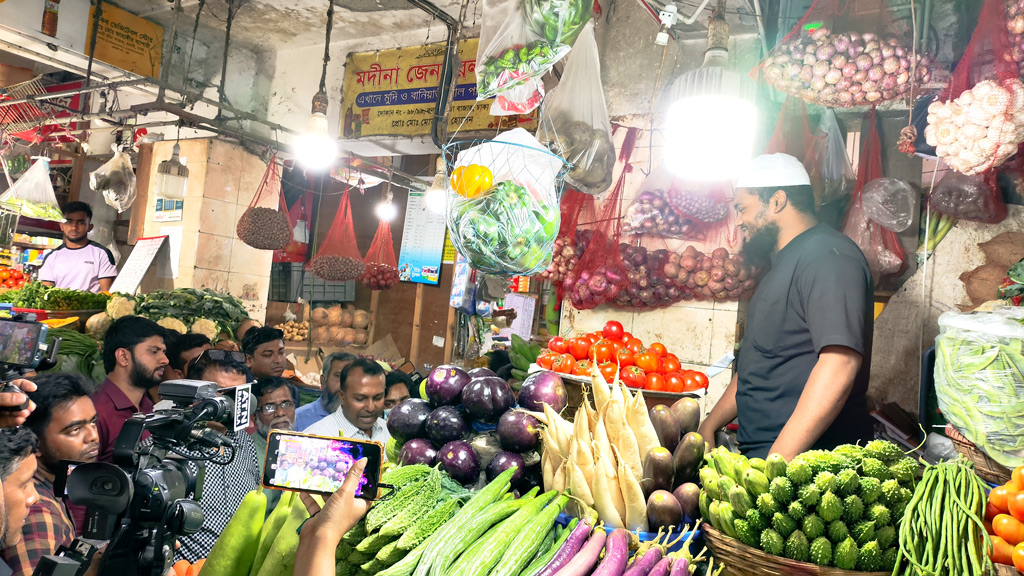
{"x": 979, "y": 129}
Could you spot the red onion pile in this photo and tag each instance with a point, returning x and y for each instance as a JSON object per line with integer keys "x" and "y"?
{"x": 337, "y": 268}
{"x": 646, "y": 284}
{"x": 653, "y": 212}
{"x": 716, "y": 276}
{"x": 379, "y": 276}
{"x": 588, "y": 289}
{"x": 565, "y": 257}
{"x": 1015, "y": 26}
{"x": 845, "y": 70}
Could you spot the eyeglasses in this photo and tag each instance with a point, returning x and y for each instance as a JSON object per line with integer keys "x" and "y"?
{"x": 216, "y": 355}
{"x": 271, "y": 408}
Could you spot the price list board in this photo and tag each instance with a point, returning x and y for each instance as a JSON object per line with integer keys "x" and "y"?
{"x": 419, "y": 259}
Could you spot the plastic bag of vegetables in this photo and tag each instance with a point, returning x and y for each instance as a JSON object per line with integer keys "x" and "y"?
{"x": 503, "y": 203}
{"x": 834, "y": 166}
{"x": 575, "y": 124}
{"x": 115, "y": 180}
{"x": 979, "y": 379}
{"x": 557, "y": 20}
{"x": 846, "y": 53}
{"x": 513, "y": 56}
{"x": 890, "y": 202}
{"x": 33, "y": 193}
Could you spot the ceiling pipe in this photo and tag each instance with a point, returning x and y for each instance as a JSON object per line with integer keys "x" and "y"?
{"x": 439, "y": 131}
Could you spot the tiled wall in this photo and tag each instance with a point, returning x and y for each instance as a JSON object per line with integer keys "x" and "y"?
{"x": 699, "y": 333}
{"x": 223, "y": 179}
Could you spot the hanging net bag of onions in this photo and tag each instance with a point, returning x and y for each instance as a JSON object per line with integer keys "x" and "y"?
{"x": 977, "y": 123}
{"x": 600, "y": 275}
{"x": 265, "y": 224}
{"x": 338, "y": 259}
{"x": 575, "y": 207}
{"x": 381, "y": 264}
{"x": 846, "y": 53}
{"x": 670, "y": 207}
{"x": 885, "y": 255}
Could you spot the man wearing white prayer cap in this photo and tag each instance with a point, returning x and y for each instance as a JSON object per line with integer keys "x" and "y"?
{"x": 802, "y": 371}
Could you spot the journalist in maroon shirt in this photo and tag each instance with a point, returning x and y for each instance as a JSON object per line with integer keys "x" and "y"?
{"x": 134, "y": 356}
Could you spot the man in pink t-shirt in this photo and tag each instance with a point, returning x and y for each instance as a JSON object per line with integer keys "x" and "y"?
{"x": 80, "y": 263}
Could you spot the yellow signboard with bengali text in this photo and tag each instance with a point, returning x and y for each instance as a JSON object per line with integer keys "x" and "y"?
{"x": 393, "y": 93}
{"x": 127, "y": 41}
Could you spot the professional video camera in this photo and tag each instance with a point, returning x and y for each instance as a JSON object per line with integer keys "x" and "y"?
{"x": 23, "y": 348}
{"x": 147, "y": 497}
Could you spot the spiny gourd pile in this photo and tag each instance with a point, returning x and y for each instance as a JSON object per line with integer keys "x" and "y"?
{"x": 838, "y": 508}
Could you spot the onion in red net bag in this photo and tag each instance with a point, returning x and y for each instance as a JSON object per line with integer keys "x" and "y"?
{"x": 338, "y": 259}
{"x": 671, "y": 207}
{"x": 265, "y": 224}
{"x": 381, "y": 265}
{"x": 567, "y": 251}
{"x": 860, "y": 55}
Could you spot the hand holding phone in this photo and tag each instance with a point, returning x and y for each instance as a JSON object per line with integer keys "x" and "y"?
{"x": 319, "y": 464}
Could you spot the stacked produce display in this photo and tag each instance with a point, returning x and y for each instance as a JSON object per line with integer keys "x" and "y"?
{"x": 37, "y": 296}
{"x": 839, "y": 508}
{"x": 1004, "y": 521}
{"x": 338, "y": 325}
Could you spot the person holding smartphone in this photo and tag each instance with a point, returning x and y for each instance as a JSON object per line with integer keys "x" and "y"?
{"x": 322, "y": 533}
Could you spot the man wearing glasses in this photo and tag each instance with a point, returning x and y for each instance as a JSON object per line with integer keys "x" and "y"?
{"x": 275, "y": 410}
{"x": 225, "y": 484}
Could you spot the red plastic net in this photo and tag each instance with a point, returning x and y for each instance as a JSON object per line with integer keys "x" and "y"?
{"x": 846, "y": 53}
{"x": 881, "y": 246}
{"x": 381, "y": 264}
{"x": 265, "y": 224}
{"x": 795, "y": 135}
{"x": 600, "y": 276}
{"x": 566, "y": 253}
{"x": 670, "y": 207}
{"x": 338, "y": 258}
{"x": 298, "y": 219}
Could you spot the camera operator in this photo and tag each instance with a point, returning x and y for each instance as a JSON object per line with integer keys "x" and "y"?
{"x": 134, "y": 356}
{"x": 17, "y": 468}
{"x": 321, "y": 534}
{"x": 224, "y": 486}
{"x": 276, "y": 399}
{"x": 64, "y": 422}
{"x": 264, "y": 351}
{"x": 12, "y": 399}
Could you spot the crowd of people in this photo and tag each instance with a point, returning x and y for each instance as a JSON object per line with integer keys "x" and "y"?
{"x": 71, "y": 420}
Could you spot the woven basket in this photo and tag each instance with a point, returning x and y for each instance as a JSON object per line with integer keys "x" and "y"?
{"x": 742, "y": 560}
{"x": 985, "y": 467}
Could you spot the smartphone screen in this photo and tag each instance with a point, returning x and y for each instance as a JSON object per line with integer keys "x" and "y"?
{"x": 18, "y": 341}
{"x": 318, "y": 464}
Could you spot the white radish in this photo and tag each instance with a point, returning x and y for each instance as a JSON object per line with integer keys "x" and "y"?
{"x": 602, "y": 392}
{"x": 580, "y": 445}
{"x": 633, "y": 498}
{"x": 603, "y": 445}
{"x": 558, "y": 481}
{"x": 622, "y": 437}
{"x": 639, "y": 420}
{"x": 611, "y": 509}
{"x": 579, "y": 486}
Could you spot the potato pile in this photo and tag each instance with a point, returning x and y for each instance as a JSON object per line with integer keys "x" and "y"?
{"x": 341, "y": 326}
{"x": 264, "y": 228}
{"x": 294, "y": 331}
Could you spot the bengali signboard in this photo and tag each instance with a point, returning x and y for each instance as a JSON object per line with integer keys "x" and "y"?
{"x": 127, "y": 41}
{"x": 393, "y": 93}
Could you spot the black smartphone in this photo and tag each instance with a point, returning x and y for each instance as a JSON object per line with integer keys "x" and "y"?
{"x": 318, "y": 464}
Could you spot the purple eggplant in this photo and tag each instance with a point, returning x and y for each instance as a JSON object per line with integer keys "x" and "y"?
{"x": 616, "y": 554}
{"x": 583, "y": 562}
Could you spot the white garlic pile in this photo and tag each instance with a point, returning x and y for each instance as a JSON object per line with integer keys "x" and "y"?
{"x": 979, "y": 129}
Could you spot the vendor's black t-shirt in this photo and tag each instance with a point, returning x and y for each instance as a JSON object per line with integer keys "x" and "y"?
{"x": 818, "y": 293}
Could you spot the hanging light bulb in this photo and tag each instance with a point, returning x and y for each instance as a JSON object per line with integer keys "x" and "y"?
{"x": 172, "y": 176}
{"x": 316, "y": 149}
{"x": 436, "y": 196}
{"x": 386, "y": 208}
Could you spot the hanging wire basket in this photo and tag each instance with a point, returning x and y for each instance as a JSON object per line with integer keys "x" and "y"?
{"x": 503, "y": 198}
{"x": 9, "y": 216}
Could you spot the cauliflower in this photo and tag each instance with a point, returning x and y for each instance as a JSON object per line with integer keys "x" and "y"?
{"x": 119, "y": 306}
{"x": 205, "y": 327}
{"x": 173, "y": 324}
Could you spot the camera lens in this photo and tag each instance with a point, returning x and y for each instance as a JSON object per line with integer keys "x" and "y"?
{"x": 104, "y": 485}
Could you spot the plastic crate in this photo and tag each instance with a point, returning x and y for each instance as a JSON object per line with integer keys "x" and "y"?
{"x": 290, "y": 281}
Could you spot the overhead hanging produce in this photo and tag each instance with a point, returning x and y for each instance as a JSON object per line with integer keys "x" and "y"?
{"x": 514, "y": 56}
{"x": 503, "y": 203}
{"x": 33, "y": 193}
{"x": 265, "y": 224}
{"x": 576, "y": 209}
{"x": 116, "y": 181}
{"x": 846, "y": 53}
{"x": 338, "y": 258}
{"x": 381, "y": 265}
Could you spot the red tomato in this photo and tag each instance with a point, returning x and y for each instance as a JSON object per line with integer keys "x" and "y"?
{"x": 670, "y": 365}
{"x": 656, "y": 382}
{"x": 658, "y": 349}
{"x": 626, "y": 336}
{"x": 546, "y": 361}
{"x": 558, "y": 345}
{"x": 5, "y": 274}
{"x": 1002, "y": 551}
{"x": 647, "y": 361}
{"x": 580, "y": 348}
{"x": 603, "y": 351}
{"x": 608, "y": 370}
{"x": 690, "y": 383}
{"x": 991, "y": 511}
{"x": 1017, "y": 478}
{"x": 625, "y": 357}
{"x": 998, "y": 497}
{"x": 595, "y": 336}
{"x": 1015, "y": 504}
{"x": 635, "y": 345}
{"x": 1008, "y": 528}
{"x": 17, "y": 274}
{"x": 582, "y": 368}
{"x": 672, "y": 356}
{"x": 564, "y": 364}
{"x": 633, "y": 377}
{"x": 675, "y": 383}
{"x": 613, "y": 330}
{"x": 702, "y": 379}
{"x": 1018, "y": 557}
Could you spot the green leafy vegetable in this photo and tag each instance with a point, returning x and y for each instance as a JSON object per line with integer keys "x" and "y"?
{"x": 41, "y": 297}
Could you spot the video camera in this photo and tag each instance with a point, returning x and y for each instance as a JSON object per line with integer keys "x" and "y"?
{"x": 23, "y": 348}
{"x": 147, "y": 498}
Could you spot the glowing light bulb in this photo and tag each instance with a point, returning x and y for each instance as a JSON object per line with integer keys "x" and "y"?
{"x": 386, "y": 211}
{"x": 316, "y": 149}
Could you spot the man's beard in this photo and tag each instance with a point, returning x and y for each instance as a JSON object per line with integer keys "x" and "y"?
{"x": 264, "y": 429}
{"x": 760, "y": 245}
{"x": 332, "y": 402}
{"x": 140, "y": 378}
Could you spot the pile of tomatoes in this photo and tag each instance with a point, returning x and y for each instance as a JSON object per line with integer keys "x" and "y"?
{"x": 11, "y": 278}
{"x": 1004, "y": 519}
{"x": 618, "y": 352}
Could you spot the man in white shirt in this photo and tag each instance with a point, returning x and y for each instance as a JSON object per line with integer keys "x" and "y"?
{"x": 79, "y": 263}
{"x": 362, "y": 405}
